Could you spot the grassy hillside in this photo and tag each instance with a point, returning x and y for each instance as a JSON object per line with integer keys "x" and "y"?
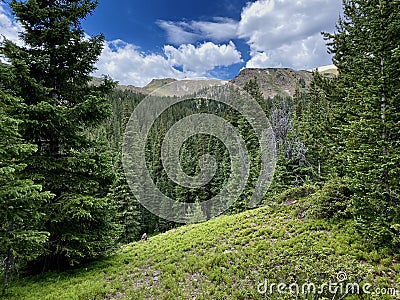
{"x": 330, "y": 72}
{"x": 227, "y": 258}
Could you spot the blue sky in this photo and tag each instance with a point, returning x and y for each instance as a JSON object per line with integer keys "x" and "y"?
{"x": 204, "y": 39}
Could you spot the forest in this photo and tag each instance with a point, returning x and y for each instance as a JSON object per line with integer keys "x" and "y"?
{"x": 64, "y": 197}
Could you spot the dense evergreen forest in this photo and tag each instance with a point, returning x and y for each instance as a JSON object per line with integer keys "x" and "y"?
{"x": 64, "y": 199}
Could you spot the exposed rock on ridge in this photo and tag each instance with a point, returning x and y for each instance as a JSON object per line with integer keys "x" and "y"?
{"x": 274, "y": 81}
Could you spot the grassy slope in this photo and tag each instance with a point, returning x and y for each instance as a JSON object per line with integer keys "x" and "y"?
{"x": 333, "y": 72}
{"x": 224, "y": 258}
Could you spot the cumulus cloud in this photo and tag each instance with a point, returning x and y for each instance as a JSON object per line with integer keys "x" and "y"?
{"x": 287, "y": 32}
{"x": 124, "y": 62}
{"x": 9, "y": 28}
{"x": 302, "y": 54}
{"x": 280, "y": 33}
{"x": 218, "y": 30}
{"x": 202, "y": 58}
{"x": 258, "y": 60}
{"x": 269, "y": 24}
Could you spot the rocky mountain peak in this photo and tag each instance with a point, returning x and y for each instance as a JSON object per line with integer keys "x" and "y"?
{"x": 274, "y": 81}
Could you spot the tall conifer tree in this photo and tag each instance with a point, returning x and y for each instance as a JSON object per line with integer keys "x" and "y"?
{"x": 20, "y": 198}
{"x": 51, "y": 76}
{"x": 365, "y": 50}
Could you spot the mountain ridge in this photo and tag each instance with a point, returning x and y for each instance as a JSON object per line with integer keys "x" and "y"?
{"x": 272, "y": 81}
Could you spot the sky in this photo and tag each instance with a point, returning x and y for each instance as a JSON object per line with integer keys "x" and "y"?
{"x": 148, "y": 39}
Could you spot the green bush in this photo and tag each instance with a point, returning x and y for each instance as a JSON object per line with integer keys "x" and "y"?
{"x": 293, "y": 194}
{"x": 332, "y": 201}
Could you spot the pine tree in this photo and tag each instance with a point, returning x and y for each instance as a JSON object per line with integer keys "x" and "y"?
{"x": 252, "y": 145}
{"x": 254, "y": 90}
{"x": 313, "y": 120}
{"x": 129, "y": 216}
{"x": 20, "y": 198}
{"x": 368, "y": 112}
{"x": 196, "y": 215}
{"x": 52, "y": 74}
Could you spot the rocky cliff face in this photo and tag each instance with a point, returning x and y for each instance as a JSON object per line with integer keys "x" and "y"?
{"x": 274, "y": 81}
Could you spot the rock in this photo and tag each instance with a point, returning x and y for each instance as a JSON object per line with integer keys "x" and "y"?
{"x": 274, "y": 81}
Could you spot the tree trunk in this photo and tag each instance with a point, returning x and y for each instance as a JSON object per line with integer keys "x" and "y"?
{"x": 8, "y": 263}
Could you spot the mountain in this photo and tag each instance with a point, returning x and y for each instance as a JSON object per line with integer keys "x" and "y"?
{"x": 240, "y": 256}
{"x": 156, "y": 84}
{"x": 272, "y": 81}
{"x": 329, "y": 70}
{"x": 183, "y": 88}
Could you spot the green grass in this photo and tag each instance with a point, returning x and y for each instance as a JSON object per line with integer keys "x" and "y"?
{"x": 225, "y": 258}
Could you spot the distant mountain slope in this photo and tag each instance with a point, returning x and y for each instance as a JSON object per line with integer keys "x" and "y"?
{"x": 274, "y": 81}
{"x": 329, "y": 70}
{"x": 156, "y": 84}
{"x": 181, "y": 88}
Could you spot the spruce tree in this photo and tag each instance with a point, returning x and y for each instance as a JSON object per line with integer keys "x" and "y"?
{"x": 20, "y": 198}
{"x": 51, "y": 77}
{"x": 129, "y": 216}
{"x": 367, "y": 112}
{"x": 253, "y": 89}
{"x": 313, "y": 121}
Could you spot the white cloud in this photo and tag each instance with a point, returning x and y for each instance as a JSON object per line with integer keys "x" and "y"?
{"x": 125, "y": 63}
{"x": 269, "y": 24}
{"x": 202, "y": 58}
{"x": 302, "y": 54}
{"x": 280, "y": 33}
{"x": 178, "y": 32}
{"x": 286, "y": 33}
{"x": 8, "y": 27}
{"x": 258, "y": 60}
{"x": 218, "y": 30}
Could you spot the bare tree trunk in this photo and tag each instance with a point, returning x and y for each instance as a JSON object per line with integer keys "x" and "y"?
{"x": 8, "y": 262}
{"x": 319, "y": 167}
